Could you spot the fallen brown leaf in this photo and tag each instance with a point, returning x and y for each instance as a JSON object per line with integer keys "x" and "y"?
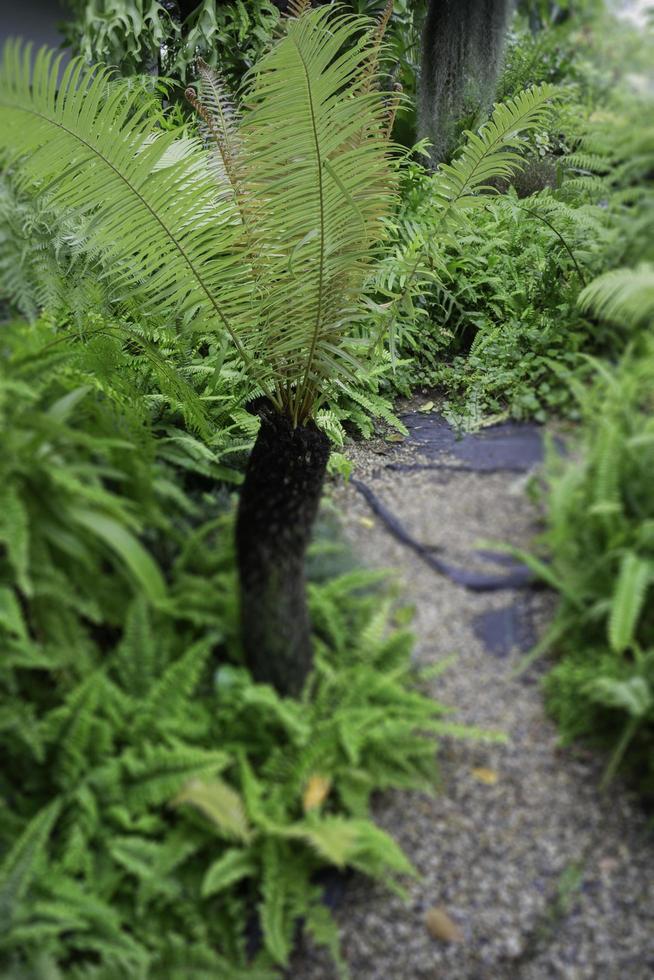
{"x": 487, "y": 776}
{"x": 441, "y": 926}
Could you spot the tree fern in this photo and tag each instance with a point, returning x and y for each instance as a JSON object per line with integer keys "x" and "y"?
{"x": 313, "y": 231}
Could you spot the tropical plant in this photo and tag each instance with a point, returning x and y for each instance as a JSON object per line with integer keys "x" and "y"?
{"x": 600, "y": 541}
{"x": 281, "y": 235}
{"x": 167, "y": 36}
{"x": 158, "y": 805}
{"x": 266, "y": 237}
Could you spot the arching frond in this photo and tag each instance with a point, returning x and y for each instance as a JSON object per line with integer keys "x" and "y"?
{"x": 493, "y": 151}
{"x": 160, "y": 230}
{"x": 626, "y": 295}
{"x": 217, "y": 111}
{"x": 279, "y": 263}
{"x": 325, "y": 194}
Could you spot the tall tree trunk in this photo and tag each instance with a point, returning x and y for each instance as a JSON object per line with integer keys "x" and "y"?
{"x": 462, "y": 48}
{"x": 278, "y": 505}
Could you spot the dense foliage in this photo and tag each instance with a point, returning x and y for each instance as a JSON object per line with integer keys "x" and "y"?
{"x": 162, "y": 814}
{"x": 166, "y": 37}
{"x": 494, "y": 321}
{"x": 600, "y": 537}
{"x": 154, "y": 797}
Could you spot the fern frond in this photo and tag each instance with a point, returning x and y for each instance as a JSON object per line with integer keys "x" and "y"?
{"x": 277, "y": 920}
{"x": 93, "y": 151}
{"x": 371, "y": 67}
{"x": 216, "y": 110}
{"x": 234, "y": 865}
{"x": 622, "y": 295}
{"x": 177, "y": 683}
{"x": 325, "y": 196}
{"x": 278, "y": 265}
{"x": 491, "y": 152}
{"x": 152, "y": 774}
{"x": 296, "y": 8}
{"x": 20, "y": 864}
{"x": 628, "y": 600}
{"x": 221, "y": 804}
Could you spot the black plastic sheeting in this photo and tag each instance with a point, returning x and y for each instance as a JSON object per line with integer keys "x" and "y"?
{"x": 518, "y": 576}
{"x": 510, "y": 446}
{"x": 514, "y": 447}
{"x": 506, "y": 629}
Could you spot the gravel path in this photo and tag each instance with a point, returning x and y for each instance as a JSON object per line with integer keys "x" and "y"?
{"x": 544, "y": 876}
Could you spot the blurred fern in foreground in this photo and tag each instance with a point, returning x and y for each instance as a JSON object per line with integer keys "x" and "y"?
{"x": 600, "y": 538}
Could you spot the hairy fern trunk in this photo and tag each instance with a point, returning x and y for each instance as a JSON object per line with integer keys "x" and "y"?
{"x": 462, "y": 47}
{"x": 278, "y": 505}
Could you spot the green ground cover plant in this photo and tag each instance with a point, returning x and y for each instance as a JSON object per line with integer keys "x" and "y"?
{"x": 165, "y": 812}
{"x": 157, "y": 803}
{"x": 494, "y": 321}
{"x": 600, "y": 540}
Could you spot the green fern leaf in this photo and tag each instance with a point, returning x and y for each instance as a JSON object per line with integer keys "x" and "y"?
{"x": 633, "y": 695}
{"x": 14, "y": 534}
{"x": 622, "y": 295}
{"x": 177, "y": 684}
{"x": 276, "y": 920}
{"x": 221, "y": 804}
{"x": 153, "y": 774}
{"x": 628, "y": 601}
{"x": 492, "y": 152}
{"x": 20, "y": 864}
{"x": 233, "y": 866}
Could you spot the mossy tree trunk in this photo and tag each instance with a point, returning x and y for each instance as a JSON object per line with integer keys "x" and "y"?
{"x": 462, "y": 47}
{"x": 278, "y": 505}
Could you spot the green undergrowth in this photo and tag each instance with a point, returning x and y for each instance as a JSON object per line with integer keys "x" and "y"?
{"x": 598, "y": 547}
{"x": 601, "y": 537}
{"x": 161, "y": 815}
{"x": 492, "y": 317}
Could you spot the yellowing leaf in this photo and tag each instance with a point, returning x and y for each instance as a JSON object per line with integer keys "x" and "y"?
{"x": 487, "y": 776}
{"x": 316, "y": 792}
{"x": 427, "y": 407}
{"x": 366, "y": 522}
{"x": 220, "y": 803}
{"x": 334, "y": 838}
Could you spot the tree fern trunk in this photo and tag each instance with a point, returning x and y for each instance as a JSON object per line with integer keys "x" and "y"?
{"x": 278, "y": 505}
